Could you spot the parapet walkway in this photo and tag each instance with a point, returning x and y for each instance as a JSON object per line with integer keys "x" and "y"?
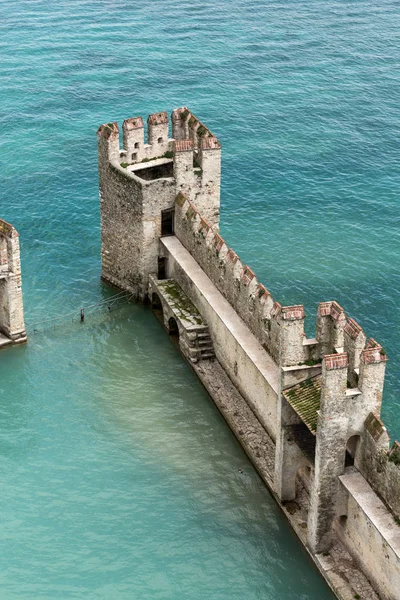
{"x": 224, "y": 310}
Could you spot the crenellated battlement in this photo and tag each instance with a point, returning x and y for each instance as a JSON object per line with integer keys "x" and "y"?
{"x": 279, "y": 328}
{"x": 197, "y": 164}
{"x": 135, "y": 149}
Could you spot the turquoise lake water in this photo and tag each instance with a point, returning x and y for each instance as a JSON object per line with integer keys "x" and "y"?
{"x": 120, "y": 478}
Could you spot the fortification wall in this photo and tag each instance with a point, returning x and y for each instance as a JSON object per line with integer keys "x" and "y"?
{"x": 135, "y": 149}
{"x": 199, "y": 176}
{"x": 362, "y": 366}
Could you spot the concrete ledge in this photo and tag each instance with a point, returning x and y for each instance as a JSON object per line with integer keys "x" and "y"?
{"x": 4, "y": 340}
{"x": 373, "y": 508}
{"x": 353, "y": 392}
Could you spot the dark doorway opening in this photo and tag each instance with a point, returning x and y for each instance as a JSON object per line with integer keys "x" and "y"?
{"x": 167, "y": 221}
{"x": 351, "y": 450}
{"x": 156, "y": 302}
{"x": 162, "y": 268}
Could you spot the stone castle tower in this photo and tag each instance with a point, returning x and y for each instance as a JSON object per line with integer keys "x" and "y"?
{"x": 139, "y": 184}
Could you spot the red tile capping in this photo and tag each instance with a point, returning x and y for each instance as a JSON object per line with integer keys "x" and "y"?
{"x": 204, "y": 224}
{"x": 375, "y": 426}
{"x": 336, "y": 310}
{"x": 353, "y": 329}
{"x": 325, "y": 308}
{"x": 374, "y": 355}
{"x": 194, "y": 123}
{"x": 179, "y": 111}
{"x": 262, "y": 291}
{"x": 232, "y": 257}
{"x": 247, "y": 275}
{"x": 276, "y": 310}
{"x": 336, "y": 361}
{"x": 218, "y": 242}
{"x": 210, "y": 143}
{"x": 183, "y": 146}
{"x": 293, "y": 312}
{"x": 133, "y": 123}
{"x": 158, "y": 118}
{"x": 108, "y": 129}
{"x": 371, "y": 343}
{"x": 191, "y": 212}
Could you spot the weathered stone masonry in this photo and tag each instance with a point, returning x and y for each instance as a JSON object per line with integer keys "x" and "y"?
{"x": 11, "y": 308}
{"x": 319, "y": 399}
{"x": 141, "y": 181}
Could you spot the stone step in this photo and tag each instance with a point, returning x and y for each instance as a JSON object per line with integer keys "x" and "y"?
{"x": 206, "y": 350}
{"x": 208, "y": 355}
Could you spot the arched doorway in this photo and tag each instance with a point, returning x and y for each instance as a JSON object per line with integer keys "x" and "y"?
{"x": 156, "y": 302}
{"x": 351, "y": 450}
{"x": 173, "y": 331}
{"x": 173, "y": 327}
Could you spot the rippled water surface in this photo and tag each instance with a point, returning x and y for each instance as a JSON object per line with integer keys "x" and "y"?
{"x": 120, "y": 478}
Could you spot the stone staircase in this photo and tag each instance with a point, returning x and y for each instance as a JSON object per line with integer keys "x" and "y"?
{"x": 204, "y": 344}
{"x": 194, "y": 335}
{"x": 196, "y": 344}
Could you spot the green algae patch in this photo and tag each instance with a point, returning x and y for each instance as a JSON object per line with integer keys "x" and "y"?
{"x": 305, "y": 399}
{"x": 179, "y": 303}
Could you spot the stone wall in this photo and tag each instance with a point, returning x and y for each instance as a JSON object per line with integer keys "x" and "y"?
{"x": 358, "y": 364}
{"x": 130, "y": 210}
{"x": 11, "y": 306}
{"x": 200, "y": 178}
{"x": 135, "y": 149}
{"x": 379, "y": 462}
